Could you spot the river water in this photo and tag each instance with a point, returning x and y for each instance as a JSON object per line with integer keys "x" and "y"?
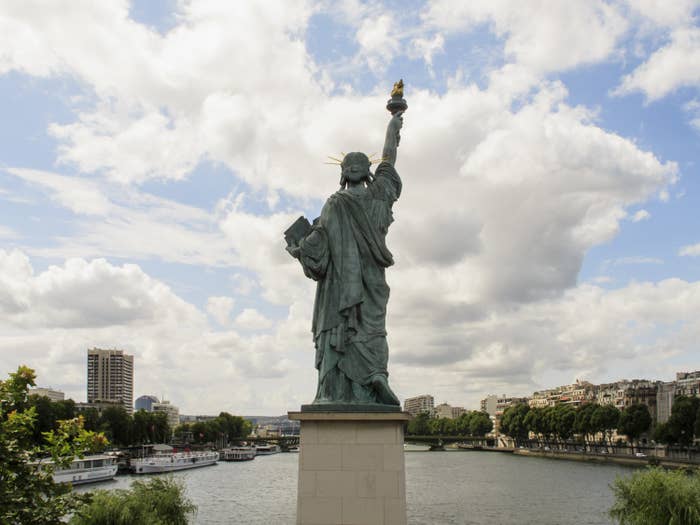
{"x": 442, "y": 488}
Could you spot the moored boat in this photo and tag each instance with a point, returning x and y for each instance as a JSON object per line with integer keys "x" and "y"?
{"x": 173, "y": 461}
{"x": 237, "y": 454}
{"x": 267, "y": 450}
{"x": 89, "y": 469}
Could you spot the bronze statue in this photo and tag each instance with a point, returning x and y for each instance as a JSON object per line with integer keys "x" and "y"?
{"x": 345, "y": 252}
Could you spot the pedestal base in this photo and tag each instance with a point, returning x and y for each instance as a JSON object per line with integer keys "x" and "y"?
{"x": 351, "y": 468}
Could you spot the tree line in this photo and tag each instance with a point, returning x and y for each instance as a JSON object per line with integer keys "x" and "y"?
{"x": 596, "y": 424}
{"x": 120, "y": 427}
{"x": 128, "y": 430}
{"x": 473, "y": 423}
{"x": 225, "y": 426}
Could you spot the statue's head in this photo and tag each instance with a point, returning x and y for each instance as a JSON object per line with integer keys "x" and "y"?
{"x": 355, "y": 168}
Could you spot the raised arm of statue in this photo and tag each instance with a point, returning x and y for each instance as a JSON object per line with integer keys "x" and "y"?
{"x": 391, "y": 142}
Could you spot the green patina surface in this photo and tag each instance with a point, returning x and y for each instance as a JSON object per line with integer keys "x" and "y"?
{"x": 345, "y": 252}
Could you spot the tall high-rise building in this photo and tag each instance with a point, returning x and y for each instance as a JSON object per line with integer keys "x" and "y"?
{"x": 110, "y": 377}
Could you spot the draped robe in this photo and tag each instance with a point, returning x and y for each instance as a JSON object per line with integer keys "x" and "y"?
{"x": 346, "y": 254}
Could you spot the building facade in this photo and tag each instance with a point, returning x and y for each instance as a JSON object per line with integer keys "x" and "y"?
{"x": 170, "y": 410}
{"x": 488, "y": 404}
{"x": 145, "y": 403}
{"x": 625, "y": 393}
{"x": 686, "y": 384}
{"x": 443, "y": 410}
{"x": 419, "y": 404}
{"x": 110, "y": 377}
{"x": 53, "y": 395}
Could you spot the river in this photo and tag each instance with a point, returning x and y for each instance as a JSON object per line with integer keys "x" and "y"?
{"x": 442, "y": 488}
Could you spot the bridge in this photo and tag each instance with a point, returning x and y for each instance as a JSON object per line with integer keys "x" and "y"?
{"x": 435, "y": 442}
{"x": 439, "y": 442}
{"x": 284, "y": 442}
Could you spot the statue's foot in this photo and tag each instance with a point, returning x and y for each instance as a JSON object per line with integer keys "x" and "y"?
{"x": 384, "y": 393}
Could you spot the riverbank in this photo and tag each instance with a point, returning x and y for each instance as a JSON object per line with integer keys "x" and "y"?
{"x": 615, "y": 459}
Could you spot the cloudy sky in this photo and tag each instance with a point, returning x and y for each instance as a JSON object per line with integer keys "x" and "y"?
{"x": 153, "y": 152}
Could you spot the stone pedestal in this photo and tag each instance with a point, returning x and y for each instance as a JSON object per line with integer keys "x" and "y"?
{"x": 351, "y": 468}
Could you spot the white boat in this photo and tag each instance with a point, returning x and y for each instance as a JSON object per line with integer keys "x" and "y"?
{"x": 89, "y": 469}
{"x": 412, "y": 447}
{"x": 267, "y": 450}
{"x": 237, "y": 454}
{"x": 173, "y": 461}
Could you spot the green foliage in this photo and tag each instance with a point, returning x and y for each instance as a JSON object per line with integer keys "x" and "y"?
{"x": 682, "y": 425}
{"x": 559, "y": 423}
{"x": 582, "y": 422}
{"x": 158, "y": 501}
{"x": 442, "y": 426}
{"x": 27, "y": 491}
{"x": 563, "y": 419}
{"x": 226, "y": 426}
{"x": 513, "y": 422}
{"x": 605, "y": 419}
{"x": 468, "y": 424}
{"x": 634, "y": 421}
{"x": 419, "y": 425}
{"x": 657, "y": 497}
{"x": 150, "y": 427}
{"x": 115, "y": 422}
{"x": 480, "y": 424}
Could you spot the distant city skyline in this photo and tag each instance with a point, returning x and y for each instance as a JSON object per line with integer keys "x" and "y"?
{"x": 153, "y": 152}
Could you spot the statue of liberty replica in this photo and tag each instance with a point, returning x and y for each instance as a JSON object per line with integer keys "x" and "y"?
{"x": 345, "y": 252}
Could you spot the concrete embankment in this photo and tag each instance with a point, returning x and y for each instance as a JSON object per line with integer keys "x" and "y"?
{"x": 605, "y": 458}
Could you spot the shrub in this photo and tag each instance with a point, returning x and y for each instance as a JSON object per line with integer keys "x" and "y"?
{"x": 159, "y": 501}
{"x": 657, "y": 497}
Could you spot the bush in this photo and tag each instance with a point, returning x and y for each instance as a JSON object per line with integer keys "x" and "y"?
{"x": 159, "y": 501}
{"x": 657, "y": 497}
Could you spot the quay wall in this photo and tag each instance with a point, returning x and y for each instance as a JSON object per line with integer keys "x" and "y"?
{"x": 605, "y": 458}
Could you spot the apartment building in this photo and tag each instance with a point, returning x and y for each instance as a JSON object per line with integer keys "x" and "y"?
{"x": 110, "y": 377}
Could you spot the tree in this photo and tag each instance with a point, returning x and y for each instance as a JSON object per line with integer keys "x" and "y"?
{"x": 541, "y": 422}
{"x": 582, "y": 422}
{"x": 564, "y": 418}
{"x": 158, "y": 501}
{"x": 64, "y": 409}
{"x": 513, "y": 422}
{"x": 116, "y": 423}
{"x": 634, "y": 421}
{"x": 45, "y": 419}
{"x": 418, "y": 426}
{"x": 657, "y": 497}
{"x": 91, "y": 418}
{"x": 234, "y": 427}
{"x": 440, "y": 426}
{"x": 28, "y": 493}
{"x": 480, "y": 424}
{"x": 681, "y": 425}
{"x": 604, "y": 420}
